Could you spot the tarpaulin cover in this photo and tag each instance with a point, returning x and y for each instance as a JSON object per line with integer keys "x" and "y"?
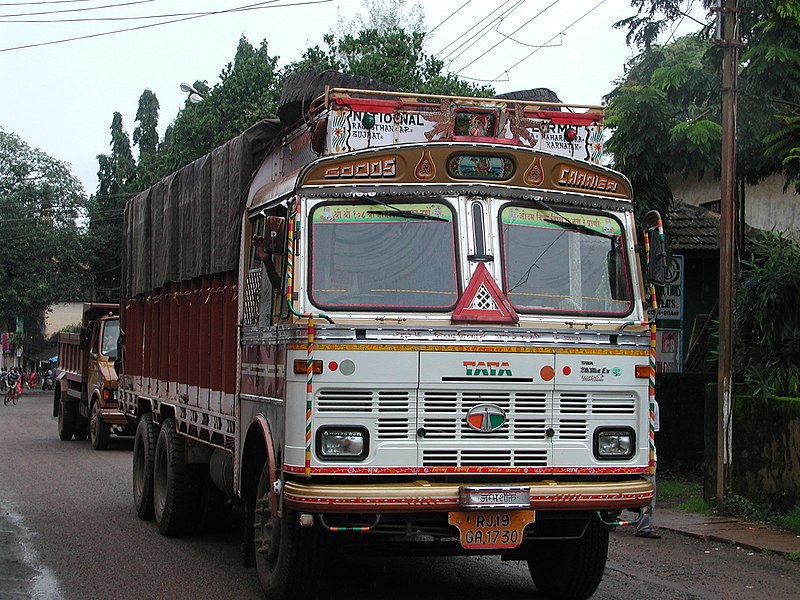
{"x": 188, "y": 224}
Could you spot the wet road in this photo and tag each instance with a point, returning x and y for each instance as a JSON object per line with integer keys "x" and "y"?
{"x": 68, "y": 529}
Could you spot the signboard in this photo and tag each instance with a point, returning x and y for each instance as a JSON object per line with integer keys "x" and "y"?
{"x": 346, "y": 132}
{"x": 669, "y": 352}
{"x": 670, "y": 301}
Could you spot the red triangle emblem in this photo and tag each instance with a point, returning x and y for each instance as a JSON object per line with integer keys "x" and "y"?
{"x": 483, "y": 301}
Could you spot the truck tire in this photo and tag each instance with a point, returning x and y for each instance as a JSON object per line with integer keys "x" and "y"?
{"x": 99, "y": 432}
{"x": 300, "y": 89}
{"x": 66, "y": 420}
{"x": 285, "y": 552}
{"x": 532, "y": 95}
{"x": 570, "y": 568}
{"x": 81, "y": 426}
{"x": 176, "y": 497}
{"x": 144, "y": 452}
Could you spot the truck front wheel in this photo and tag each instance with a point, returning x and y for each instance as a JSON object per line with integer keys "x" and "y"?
{"x": 144, "y": 452}
{"x": 66, "y": 420}
{"x": 285, "y": 552}
{"x": 176, "y": 494}
{"x": 570, "y": 568}
{"x": 99, "y": 432}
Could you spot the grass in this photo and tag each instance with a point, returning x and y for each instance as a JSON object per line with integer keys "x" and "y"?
{"x": 681, "y": 493}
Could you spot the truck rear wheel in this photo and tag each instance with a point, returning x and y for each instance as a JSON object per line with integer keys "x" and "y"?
{"x": 66, "y": 420}
{"x": 81, "y": 426}
{"x": 99, "y": 432}
{"x": 285, "y": 552}
{"x": 144, "y": 452}
{"x": 176, "y": 498}
{"x": 570, "y": 568}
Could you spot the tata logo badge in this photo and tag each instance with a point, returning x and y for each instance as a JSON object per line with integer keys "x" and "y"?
{"x": 486, "y": 417}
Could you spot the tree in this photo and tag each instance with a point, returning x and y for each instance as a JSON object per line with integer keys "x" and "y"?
{"x": 117, "y": 181}
{"x": 42, "y": 258}
{"x": 146, "y": 137}
{"x": 768, "y": 133}
{"x": 248, "y": 92}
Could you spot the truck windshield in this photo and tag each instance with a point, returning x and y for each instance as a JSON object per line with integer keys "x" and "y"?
{"x": 109, "y": 341}
{"x": 383, "y": 255}
{"x": 576, "y": 266}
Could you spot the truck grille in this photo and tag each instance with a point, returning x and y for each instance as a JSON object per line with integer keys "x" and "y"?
{"x": 392, "y": 408}
{"x": 442, "y": 414}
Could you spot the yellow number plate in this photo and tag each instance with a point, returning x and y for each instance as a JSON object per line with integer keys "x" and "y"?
{"x": 491, "y": 528}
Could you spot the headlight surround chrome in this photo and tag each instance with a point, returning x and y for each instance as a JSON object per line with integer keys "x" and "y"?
{"x": 614, "y": 443}
{"x": 342, "y": 443}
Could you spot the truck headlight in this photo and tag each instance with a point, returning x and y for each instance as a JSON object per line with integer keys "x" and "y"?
{"x": 614, "y": 443}
{"x": 342, "y": 443}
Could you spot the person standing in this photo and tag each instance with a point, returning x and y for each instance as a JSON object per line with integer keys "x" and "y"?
{"x": 646, "y": 527}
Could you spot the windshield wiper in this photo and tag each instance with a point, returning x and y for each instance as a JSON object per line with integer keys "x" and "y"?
{"x": 407, "y": 214}
{"x": 399, "y": 212}
{"x": 566, "y": 224}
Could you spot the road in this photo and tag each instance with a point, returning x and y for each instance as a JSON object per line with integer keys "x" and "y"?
{"x": 68, "y": 530}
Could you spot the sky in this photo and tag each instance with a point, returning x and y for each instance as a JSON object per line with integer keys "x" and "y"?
{"x": 60, "y": 97}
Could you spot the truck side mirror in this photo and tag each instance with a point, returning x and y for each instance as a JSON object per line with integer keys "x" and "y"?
{"x": 658, "y": 258}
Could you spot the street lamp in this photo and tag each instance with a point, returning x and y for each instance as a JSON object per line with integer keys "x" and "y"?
{"x": 194, "y": 96}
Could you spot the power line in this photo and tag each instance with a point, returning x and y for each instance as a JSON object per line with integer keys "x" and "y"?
{"x": 466, "y": 33}
{"x": 447, "y": 18}
{"x": 508, "y": 37}
{"x": 67, "y": 10}
{"x": 48, "y": 2}
{"x": 583, "y": 16}
{"x": 256, "y": 6}
{"x": 471, "y": 41}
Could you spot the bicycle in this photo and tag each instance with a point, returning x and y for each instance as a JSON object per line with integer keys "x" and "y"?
{"x": 11, "y": 395}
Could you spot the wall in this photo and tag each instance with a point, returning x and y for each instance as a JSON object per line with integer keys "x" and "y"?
{"x": 680, "y": 402}
{"x": 766, "y": 205}
{"x": 61, "y": 315}
{"x": 765, "y": 465}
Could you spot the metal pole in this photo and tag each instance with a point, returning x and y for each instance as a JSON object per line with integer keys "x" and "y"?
{"x": 727, "y": 233}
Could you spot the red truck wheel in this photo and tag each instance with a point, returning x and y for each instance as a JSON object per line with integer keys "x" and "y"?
{"x": 570, "y": 568}
{"x": 144, "y": 452}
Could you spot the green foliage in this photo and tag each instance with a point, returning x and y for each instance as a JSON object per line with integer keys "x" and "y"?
{"x": 767, "y": 335}
{"x": 42, "y": 258}
{"x": 248, "y": 92}
{"x": 768, "y": 131}
{"x": 146, "y": 137}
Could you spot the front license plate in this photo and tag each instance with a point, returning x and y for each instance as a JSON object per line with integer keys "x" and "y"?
{"x": 491, "y": 529}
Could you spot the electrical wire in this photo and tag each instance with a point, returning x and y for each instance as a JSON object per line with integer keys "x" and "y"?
{"x": 448, "y": 17}
{"x": 466, "y": 34}
{"x": 576, "y": 21}
{"x": 508, "y": 37}
{"x": 471, "y": 41}
{"x": 67, "y": 10}
{"x": 256, "y": 6}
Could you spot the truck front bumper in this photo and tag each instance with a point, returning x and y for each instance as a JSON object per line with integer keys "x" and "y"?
{"x": 113, "y": 416}
{"x": 425, "y": 496}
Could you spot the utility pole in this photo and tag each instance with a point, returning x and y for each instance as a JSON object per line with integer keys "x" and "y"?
{"x": 728, "y": 13}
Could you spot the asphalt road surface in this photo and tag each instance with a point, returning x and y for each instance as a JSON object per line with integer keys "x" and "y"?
{"x": 68, "y": 530}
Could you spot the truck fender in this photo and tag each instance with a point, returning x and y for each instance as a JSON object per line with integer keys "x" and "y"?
{"x": 258, "y": 449}
{"x": 59, "y": 388}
